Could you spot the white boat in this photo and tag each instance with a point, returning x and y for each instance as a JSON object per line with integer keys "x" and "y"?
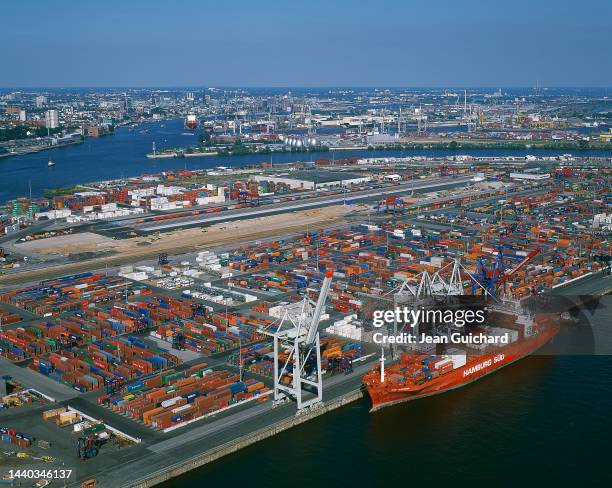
{"x": 50, "y": 163}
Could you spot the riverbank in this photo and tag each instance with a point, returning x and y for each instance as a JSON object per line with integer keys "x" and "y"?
{"x": 178, "y": 154}
{"x": 36, "y": 148}
{"x": 415, "y": 145}
{"x": 482, "y": 144}
{"x": 243, "y": 151}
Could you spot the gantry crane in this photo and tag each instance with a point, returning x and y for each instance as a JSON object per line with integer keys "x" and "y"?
{"x": 439, "y": 284}
{"x": 297, "y": 352}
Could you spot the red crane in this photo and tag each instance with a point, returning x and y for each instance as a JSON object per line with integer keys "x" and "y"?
{"x": 508, "y": 274}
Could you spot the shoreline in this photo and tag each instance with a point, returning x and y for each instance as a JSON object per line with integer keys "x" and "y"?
{"x": 451, "y": 145}
{"x": 33, "y": 150}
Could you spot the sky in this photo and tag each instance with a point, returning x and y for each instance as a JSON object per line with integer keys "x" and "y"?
{"x": 403, "y": 43}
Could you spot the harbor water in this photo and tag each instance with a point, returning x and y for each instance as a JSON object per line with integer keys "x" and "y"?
{"x": 123, "y": 154}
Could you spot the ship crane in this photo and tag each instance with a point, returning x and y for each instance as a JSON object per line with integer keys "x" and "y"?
{"x": 520, "y": 265}
{"x": 298, "y": 374}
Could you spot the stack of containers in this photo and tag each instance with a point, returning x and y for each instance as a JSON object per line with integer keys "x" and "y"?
{"x": 11, "y": 436}
{"x": 104, "y": 363}
{"x": 53, "y": 297}
{"x": 257, "y": 358}
{"x": 7, "y": 318}
{"x": 185, "y": 396}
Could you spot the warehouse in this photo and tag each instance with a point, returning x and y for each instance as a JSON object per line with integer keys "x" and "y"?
{"x": 311, "y": 180}
{"x": 529, "y": 176}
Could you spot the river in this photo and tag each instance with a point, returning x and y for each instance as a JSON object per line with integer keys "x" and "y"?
{"x": 123, "y": 155}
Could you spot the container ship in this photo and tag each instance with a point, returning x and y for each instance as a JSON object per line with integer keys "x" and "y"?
{"x": 191, "y": 122}
{"x": 420, "y": 375}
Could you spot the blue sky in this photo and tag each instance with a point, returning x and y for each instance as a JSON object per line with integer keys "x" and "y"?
{"x": 306, "y": 43}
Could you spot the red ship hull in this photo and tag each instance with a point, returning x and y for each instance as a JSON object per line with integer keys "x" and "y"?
{"x": 389, "y": 393}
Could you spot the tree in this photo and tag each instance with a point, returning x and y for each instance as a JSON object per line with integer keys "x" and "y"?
{"x": 453, "y": 145}
{"x": 204, "y": 139}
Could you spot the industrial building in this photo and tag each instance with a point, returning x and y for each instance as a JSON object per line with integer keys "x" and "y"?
{"x": 312, "y": 180}
{"x": 606, "y": 136}
{"x": 529, "y": 176}
{"x": 381, "y": 138}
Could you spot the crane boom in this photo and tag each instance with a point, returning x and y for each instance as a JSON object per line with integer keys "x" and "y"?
{"x": 520, "y": 265}
{"x": 316, "y": 316}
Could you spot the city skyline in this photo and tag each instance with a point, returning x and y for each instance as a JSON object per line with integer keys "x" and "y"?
{"x": 399, "y": 44}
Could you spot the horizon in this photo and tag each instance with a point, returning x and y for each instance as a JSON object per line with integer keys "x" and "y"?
{"x": 308, "y": 87}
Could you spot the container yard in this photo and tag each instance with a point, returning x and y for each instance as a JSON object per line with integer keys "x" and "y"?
{"x": 170, "y": 361}
{"x": 103, "y": 363}
{"x": 174, "y": 399}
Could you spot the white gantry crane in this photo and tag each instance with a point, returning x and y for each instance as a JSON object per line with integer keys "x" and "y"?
{"x": 433, "y": 284}
{"x": 299, "y": 375}
{"x": 440, "y": 285}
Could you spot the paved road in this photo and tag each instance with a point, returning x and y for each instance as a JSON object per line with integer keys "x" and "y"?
{"x": 114, "y": 419}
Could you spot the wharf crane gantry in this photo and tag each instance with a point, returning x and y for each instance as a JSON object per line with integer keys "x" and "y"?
{"x": 430, "y": 288}
{"x": 299, "y": 372}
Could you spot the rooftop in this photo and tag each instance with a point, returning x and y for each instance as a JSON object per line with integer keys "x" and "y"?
{"x": 318, "y": 176}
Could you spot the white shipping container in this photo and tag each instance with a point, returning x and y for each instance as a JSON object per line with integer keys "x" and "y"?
{"x": 458, "y": 360}
{"x": 170, "y": 402}
{"x": 181, "y": 408}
